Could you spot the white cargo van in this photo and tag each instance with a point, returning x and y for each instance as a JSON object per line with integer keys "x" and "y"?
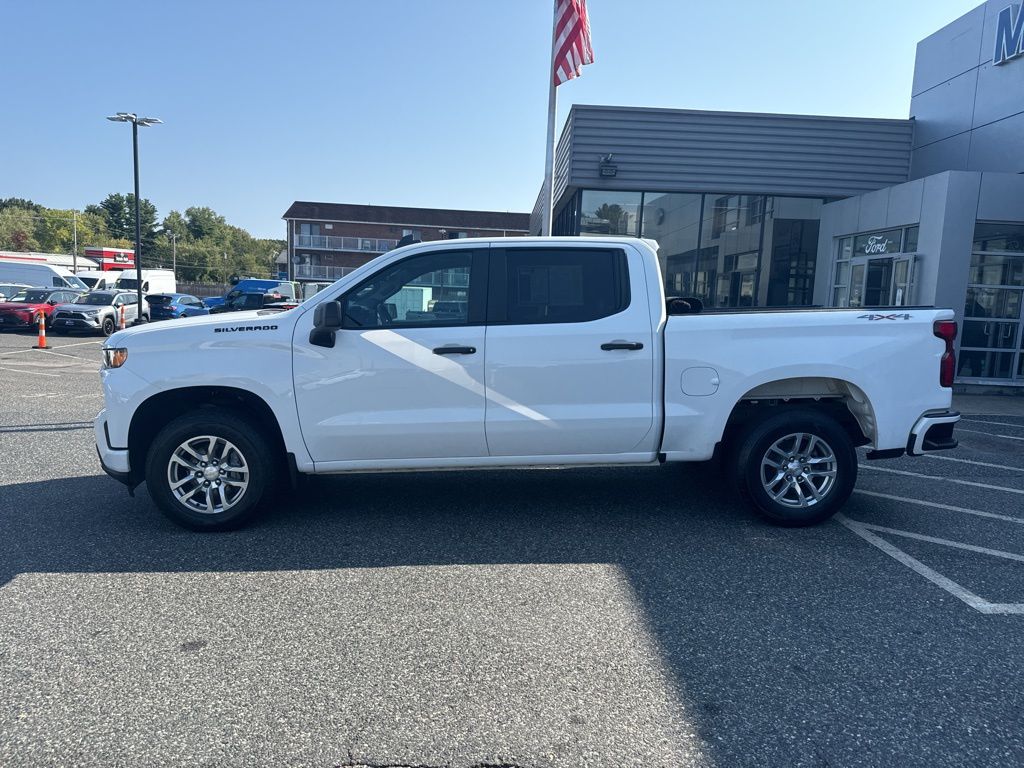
{"x": 98, "y": 279}
{"x": 153, "y": 281}
{"x": 38, "y": 274}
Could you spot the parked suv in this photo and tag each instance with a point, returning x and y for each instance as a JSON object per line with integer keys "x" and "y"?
{"x": 22, "y": 310}
{"x": 241, "y": 302}
{"x": 165, "y": 306}
{"x": 96, "y": 311}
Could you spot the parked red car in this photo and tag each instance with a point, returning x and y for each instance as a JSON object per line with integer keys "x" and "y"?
{"x": 23, "y": 308}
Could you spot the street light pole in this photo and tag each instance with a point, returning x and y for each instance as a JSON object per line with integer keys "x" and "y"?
{"x": 136, "y": 121}
{"x": 138, "y": 224}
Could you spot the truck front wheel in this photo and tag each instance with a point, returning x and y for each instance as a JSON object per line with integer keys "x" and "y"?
{"x": 209, "y": 470}
{"x": 797, "y": 467}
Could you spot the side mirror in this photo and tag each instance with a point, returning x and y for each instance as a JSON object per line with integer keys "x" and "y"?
{"x": 52, "y": 302}
{"x": 689, "y": 305}
{"x": 328, "y": 315}
{"x": 326, "y": 320}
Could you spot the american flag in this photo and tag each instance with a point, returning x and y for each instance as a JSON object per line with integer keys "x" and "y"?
{"x": 571, "y": 49}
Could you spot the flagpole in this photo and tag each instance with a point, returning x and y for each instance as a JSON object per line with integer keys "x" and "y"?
{"x": 549, "y": 149}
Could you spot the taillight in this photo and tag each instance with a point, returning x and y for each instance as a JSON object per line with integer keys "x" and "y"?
{"x": 946, "y": 330}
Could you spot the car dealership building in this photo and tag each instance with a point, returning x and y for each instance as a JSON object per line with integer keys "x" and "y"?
{"x": 796, "y": 210}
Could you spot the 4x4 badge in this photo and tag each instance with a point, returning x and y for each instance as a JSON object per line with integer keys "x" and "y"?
{"x": 897, "y": 316}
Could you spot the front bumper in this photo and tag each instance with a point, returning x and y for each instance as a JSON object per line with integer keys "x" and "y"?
{"x": 933, "y": 432}
{"x": 11, "y": 320}
{"x": 75, "y": 324}
{"x": 114, "y": 461}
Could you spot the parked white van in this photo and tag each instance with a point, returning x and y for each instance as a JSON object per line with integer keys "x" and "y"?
{"x": 38, "y": 275}
{"x": 153, "y": 281}
{"x": 98, "y": 279}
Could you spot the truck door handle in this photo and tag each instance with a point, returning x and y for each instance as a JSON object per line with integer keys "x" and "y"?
{"x": 632, "y": 345}
{"x": 454, "y": 350}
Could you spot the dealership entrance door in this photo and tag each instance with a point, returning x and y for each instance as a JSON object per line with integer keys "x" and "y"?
{"x": 882, "y": 281}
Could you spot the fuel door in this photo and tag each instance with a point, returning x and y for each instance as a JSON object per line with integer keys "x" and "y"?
{"x": 700, "y": 382}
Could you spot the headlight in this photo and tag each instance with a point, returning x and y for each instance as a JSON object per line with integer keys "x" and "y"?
{"x": 114, "y": 357}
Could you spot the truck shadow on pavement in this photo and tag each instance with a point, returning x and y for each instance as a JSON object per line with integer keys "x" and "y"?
{"x": 781, "y": 652}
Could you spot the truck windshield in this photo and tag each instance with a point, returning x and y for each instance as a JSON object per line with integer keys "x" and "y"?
{"x": 90, "y": 282}
{"x": 127, "y": 284}
{"x": 74, "y": 282}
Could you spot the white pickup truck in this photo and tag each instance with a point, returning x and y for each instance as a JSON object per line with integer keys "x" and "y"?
{"x": 519, "y": 352}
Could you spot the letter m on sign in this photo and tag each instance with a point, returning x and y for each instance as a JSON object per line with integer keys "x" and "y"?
{"x": 1009, "y": 37}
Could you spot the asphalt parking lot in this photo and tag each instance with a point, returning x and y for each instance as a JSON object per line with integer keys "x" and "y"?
{"x": 618, "y": 617}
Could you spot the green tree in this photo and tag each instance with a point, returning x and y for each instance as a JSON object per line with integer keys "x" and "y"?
{"x": 18, "y": 230}
{"x": 119, "y": 213}
{"x": 205, "y": 224}
{"x": 20, "y": 203}
{"x": 55, "y": 230}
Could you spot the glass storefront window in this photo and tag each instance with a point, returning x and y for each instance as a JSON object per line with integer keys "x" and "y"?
{"x": 610, "y": 213}
{"x": 993, "y": 302}
{"x": 993, "y": 316}
{"x": 984, "y": 365}
{"x": 845, "y": 248}
{"x": 729, "y": 250}
{"x": 996, "y": 269}
{"x": 674, "y": 221}
{"x": 910, "y": 235}
{"x": 999, "y": 237}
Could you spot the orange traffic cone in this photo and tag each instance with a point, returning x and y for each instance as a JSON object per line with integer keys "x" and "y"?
{"x": 122, "y": 317}
{"x": 42, "y": 333}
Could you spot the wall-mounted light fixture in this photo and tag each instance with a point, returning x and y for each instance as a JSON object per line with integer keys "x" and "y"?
{"x": 606, "y": 167}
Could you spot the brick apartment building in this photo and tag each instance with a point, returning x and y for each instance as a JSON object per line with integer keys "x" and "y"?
{"x": 328, "y": 240}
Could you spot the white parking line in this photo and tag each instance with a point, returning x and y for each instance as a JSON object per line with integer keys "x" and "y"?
{"x": 979, "y": 432}
{"x": 943, "y": 479}
{"x": 976, "y": 463}
{"x": 48, "y": 352}
{"x": 945, "y": 542}
{"x": 948, "y": 507}
{"x": 997, "y": 423}
{"x": 78, "y": 344}
{"x": 35, "y": 373}
{"x": 977, "y": 603}
{"x": 48, "y": 349}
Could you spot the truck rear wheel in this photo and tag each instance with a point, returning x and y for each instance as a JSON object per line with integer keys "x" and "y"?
{"x": 209, "y": 471}
{"x": 796, "y": 467}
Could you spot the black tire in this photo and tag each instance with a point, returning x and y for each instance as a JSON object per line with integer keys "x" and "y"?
{"x": 228, "y": 427}
{"x": 794, "y": 504}
{"x": 107, "y": 327}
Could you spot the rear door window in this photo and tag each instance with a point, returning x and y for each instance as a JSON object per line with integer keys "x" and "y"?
{"x": 557, "y": 285}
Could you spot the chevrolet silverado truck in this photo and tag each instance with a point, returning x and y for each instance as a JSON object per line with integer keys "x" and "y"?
{"x": 519, "y": 352}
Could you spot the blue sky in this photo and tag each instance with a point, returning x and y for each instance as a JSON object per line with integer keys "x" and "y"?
{"x": 438, "y": 103}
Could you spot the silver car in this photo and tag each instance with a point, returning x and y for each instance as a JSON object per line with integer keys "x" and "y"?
{"x": 96, "y": 311}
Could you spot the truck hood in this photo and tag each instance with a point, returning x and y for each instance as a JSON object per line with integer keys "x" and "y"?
{"x": 198, "y": 325}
